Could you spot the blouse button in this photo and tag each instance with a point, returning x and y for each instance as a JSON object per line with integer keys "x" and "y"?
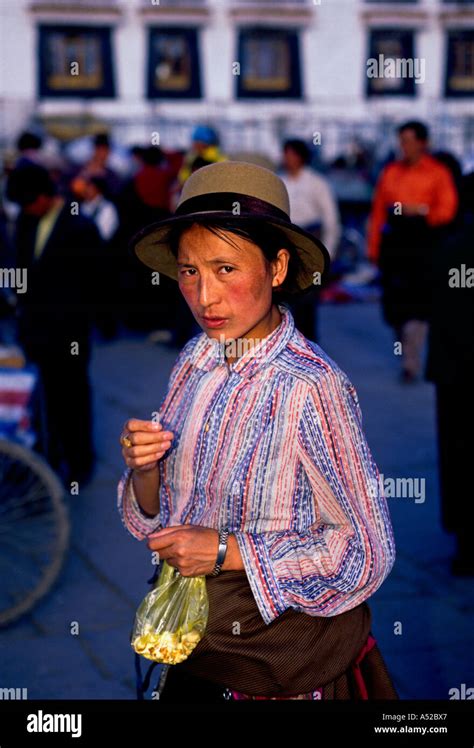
{"x": 206, "y": 428}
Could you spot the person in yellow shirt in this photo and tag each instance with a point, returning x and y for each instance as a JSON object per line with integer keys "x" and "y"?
{"x": 204, "y": 150}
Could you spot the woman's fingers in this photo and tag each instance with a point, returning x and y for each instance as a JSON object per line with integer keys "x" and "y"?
{"x": 138, "y": 463}
{"x": 148, "y": 443}
{"x": 144, "y": 437}
{"x": 135, "y": 424}
{"x": 148, "y": 449}
{"x": 145, "y": 432}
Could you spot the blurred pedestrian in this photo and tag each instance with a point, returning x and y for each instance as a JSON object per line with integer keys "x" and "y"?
{"x": 415, "y": 200}
{"x": 98, "y": 166}
{"x": 29, "y": 149}
{"x": 59, "y": 250}
{"x": 103, "y": 212}
{"x": 450, "y": 365}
{"x": 314, "y": 208}
{"x": 95, "y": 205}
{"x": 144, "y": 199}
{"x": 152, "y": 181}
{"x": 136, "y": 159}
{"x": 204, "y": 150}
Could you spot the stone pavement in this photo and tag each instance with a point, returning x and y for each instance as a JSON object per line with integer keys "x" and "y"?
{"x": 422, "y": 616}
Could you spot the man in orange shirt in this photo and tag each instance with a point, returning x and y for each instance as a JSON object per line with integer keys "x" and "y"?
{"x": 415, "y": 200}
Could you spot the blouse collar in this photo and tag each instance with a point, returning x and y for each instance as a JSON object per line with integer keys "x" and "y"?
{"x": 210, "y": 353}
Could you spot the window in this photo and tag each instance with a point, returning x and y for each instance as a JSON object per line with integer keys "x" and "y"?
{"x": 173, "y": 64}
{"x": 460, "y": 63}
{"x": 269, "y": 64}
{"x": 391, "y": 67}
{"x": 75, "y": 61}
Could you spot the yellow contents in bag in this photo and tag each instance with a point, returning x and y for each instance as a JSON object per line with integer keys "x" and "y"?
{"x": 172, "y": 618}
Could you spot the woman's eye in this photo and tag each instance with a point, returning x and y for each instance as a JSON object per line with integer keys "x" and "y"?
{"x": 185, "y": 273}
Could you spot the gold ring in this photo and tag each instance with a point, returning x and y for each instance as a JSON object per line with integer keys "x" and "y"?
{"x": 126, "y": 441}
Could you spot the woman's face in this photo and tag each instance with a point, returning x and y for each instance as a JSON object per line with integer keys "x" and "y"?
{"x": 234, "y": 284}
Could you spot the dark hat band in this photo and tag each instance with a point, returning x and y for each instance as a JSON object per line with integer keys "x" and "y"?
{"x": 214, "y": 201}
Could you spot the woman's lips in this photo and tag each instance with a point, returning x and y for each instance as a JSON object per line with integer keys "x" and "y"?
{"x": 218, "y": 322}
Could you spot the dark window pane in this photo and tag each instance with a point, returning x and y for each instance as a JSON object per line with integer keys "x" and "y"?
{"x": 460, "y": 63}
{"x": 391, "y": 67}
{"x": 269, "y": 64}
{"x": 75, "y": 61}
{"x": 173, "y": 67}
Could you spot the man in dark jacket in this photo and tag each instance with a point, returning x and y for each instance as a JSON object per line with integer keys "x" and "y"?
{"x": 59, "y": 249}
{"x": 450, "y": 365}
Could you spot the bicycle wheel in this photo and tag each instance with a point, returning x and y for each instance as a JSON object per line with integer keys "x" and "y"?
{"x": 34, "y": 529}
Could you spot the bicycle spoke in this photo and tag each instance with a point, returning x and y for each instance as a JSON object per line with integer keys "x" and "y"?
{"x": 33, "y": 529}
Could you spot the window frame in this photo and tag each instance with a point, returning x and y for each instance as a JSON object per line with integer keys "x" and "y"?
{"x": 104, "y": 32}
{"x": 295, "y": 90}
{"x": 410, "y": 87}
{"x": 195, "y": 90}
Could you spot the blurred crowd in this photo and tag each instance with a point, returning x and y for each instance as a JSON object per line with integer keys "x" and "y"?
{"x": 394, "y": 228}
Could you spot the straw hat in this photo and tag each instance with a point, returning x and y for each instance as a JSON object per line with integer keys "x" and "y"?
{"x": 219, "y": 191}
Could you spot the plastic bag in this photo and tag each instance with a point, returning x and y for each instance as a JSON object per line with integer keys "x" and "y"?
{"x": 172, "y": 618}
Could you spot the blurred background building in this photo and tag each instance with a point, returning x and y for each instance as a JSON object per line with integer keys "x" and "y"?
{"x": 255, "y": 69}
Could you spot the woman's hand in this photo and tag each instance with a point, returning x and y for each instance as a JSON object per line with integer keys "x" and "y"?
{"x": 148, "y": 444}
{"x": 192, "y": 549}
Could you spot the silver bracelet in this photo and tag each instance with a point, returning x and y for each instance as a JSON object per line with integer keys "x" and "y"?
{"x": 223, "y": 537}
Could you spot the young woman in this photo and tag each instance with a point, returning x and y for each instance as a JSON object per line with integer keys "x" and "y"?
{"x": 258, "y": 475}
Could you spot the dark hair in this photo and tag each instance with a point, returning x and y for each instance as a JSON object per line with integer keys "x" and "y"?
{"x": 136, "y": 150}
{"x": 299, "y": 147}
{"x": 27, "y": 183}
{"x": 264, "y": 235}
{"x": 102, "y": 138}
{"x": 421, "y": 130}
{"x": 467, "y": 192}
{"x": 451, "y": 162}
{"x": 28, "y": 141}
{"x": 199, "y": 162}
{"x": 100, "y": 183}
{"x": 152, "y": 155}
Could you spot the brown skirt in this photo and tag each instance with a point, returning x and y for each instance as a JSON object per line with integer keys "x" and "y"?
{"x": 296, "y": 656}
{"x": 366, "y": 679}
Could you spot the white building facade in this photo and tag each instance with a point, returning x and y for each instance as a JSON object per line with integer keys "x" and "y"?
{"x": 256, "y": 69}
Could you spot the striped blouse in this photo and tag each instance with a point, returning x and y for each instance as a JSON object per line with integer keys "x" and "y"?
{"x": 273, "y": 447}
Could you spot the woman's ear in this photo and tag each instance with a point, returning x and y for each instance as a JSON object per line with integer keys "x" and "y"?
{"x": 280, "y": 267}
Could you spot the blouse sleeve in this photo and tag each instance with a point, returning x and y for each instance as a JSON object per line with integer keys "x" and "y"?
{"x": 136, "y": 521}
{"x": 345, "y": 555}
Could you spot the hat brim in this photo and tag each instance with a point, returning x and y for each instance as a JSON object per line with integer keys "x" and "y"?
{"x": 151, "y": 250}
